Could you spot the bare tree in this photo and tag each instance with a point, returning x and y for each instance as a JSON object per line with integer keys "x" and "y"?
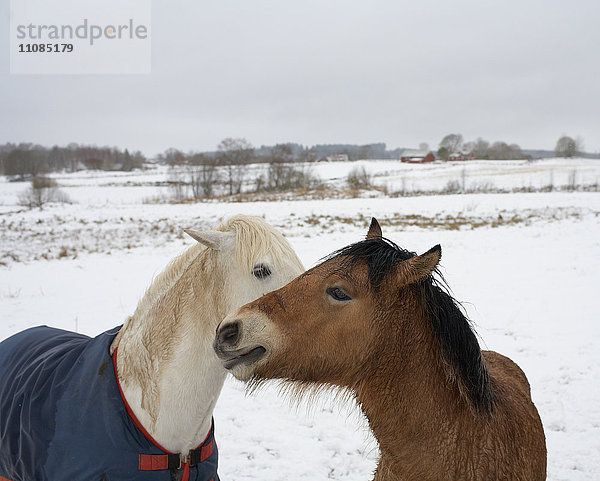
{"x": 202, "y": 174}
{"x": 127, "y": 162}
{"x": 203, "y": 178}
{"x": 443, "y": 153}
{"x": 282, "y": 153}
{"x": 308, "y": 155}
{"x": 479, "y": 148}
{"x": 178, "y": 185}
{"x": 172, "y": 157}
{"x": 504, "y": 151}
{"x": 280, "y": 173}
{"x": 284, "y": 177}
{"x": 235, "y": 155}
{"x": 568, "y": 147}
{"x": 449, "y": 145}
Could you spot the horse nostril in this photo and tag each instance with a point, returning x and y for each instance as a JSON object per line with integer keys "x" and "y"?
{"x": 229, "y": 333}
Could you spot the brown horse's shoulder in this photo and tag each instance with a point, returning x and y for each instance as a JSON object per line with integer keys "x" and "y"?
{"x": 506, "y": 374}
{"x": 516, "y": 425}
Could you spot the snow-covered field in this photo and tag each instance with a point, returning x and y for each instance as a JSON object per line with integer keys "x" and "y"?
{"x": 527, "y": 267}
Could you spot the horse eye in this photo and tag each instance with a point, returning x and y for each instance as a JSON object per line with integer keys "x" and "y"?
{"x": 338, "y": 294}
{"x": 261, "y": 271}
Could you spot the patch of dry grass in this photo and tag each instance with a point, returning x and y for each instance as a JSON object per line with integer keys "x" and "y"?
{"x": 459, "y": 221}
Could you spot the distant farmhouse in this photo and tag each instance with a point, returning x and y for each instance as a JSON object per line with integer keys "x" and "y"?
{"x": 417, "y": 156}
{"x": 461, "y": 156}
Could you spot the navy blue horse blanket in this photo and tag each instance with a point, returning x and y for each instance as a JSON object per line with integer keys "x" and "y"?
{"x": 63, "y": 417}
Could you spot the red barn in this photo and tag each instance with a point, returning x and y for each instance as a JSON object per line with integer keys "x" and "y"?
{"x": 417, "y": 156}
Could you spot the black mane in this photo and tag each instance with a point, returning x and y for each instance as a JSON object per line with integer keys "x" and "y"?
{"x": 453, "y": 330}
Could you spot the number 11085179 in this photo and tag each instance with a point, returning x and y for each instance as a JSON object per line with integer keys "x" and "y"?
{"x": 45, "y": 47}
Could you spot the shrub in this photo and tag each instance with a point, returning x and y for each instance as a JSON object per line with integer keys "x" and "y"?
{"x": 359, "y": 178}
{"x": 452, "y": 187}
{"x": 178, "y": 185}
{"x": 42, "y": 190}
{"x": 286, "y": 176}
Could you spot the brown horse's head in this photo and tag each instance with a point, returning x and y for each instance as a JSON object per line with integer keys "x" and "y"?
{"x": 320, "y": 327}
{"x": 367, "y": 300}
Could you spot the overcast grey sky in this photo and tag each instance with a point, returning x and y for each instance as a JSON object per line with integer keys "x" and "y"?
{"x": 326, "y": 71}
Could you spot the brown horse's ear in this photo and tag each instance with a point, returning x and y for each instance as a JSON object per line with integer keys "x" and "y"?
{"x": 213, "y": 239}
{"x": 374, "y": 229}
{"x": 418, "y": 267}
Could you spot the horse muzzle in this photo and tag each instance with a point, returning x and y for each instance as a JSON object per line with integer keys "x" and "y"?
{"x": 231, "y": 349}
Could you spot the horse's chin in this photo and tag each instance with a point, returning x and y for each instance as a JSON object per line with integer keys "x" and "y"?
{"x": 242, "y": 372}
{"x": 243, "y": 362}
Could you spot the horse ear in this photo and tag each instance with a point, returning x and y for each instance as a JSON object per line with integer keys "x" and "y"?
{"x": 418, "y": 267}
{"x": 213, "y": 239}
{"x": 374, "y": 229}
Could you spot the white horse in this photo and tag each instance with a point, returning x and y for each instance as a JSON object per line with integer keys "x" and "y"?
{"x": 137, "y": 404}
{"x": 166, "y": 366}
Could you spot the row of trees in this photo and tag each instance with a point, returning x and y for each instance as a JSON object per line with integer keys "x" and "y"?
{"x": 283, "y": 152}
{"x": 478, "y": 149}
{"x": 235, "y": 152}
{"x": 29, "y": 160}
{"x": 482, "y": 149}
{"x": 200, "y": 172}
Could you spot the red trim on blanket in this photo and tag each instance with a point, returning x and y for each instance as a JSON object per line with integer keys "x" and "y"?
{"x": 154, "y": 461}
{"x": 206, "y": 451}
{"x": 2, "y": 478}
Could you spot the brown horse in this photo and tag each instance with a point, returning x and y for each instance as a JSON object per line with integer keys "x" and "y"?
{"x": 378, "y": 320}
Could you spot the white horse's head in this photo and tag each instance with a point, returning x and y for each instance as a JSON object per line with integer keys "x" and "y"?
{"x": 248, "y": 257}
{"x": 236, "y": 262}
{"x": 169, "y": 372}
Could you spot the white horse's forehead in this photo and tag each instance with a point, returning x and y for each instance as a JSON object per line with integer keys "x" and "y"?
{"x": 246, "y": 254}
{"x": 287, "y": 260}
{"x": 266, "y": 258}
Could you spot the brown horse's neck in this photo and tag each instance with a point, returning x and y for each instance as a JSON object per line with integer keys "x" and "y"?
{"x": 413, "y": 409}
